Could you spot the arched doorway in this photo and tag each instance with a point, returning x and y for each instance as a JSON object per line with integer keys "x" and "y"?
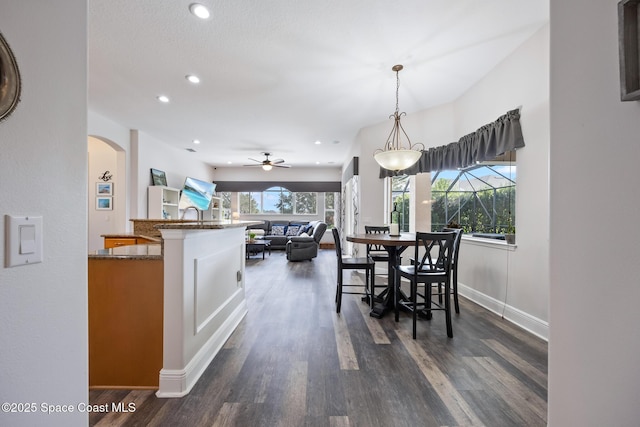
{"x": 106, "y": 212}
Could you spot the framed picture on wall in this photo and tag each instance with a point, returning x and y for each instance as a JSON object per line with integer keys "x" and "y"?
{"x": 104, "y": 189}
{"x": 104, "y": 204}
{"x": 158, "y": 177}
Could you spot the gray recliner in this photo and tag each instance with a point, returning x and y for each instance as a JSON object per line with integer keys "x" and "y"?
{"x": 300, "y": 248}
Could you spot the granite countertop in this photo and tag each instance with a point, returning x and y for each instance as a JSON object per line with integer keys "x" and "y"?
{"x": 141, "y": 252}
{"x": 203, "y": 225}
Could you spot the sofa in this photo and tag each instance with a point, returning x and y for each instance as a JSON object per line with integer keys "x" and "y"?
{"x": 300, "y": 248}
{"x": 279, "y": 231}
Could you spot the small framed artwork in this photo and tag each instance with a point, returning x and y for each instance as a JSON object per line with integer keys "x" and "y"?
{"x": 158, "y": 177}
{"x": 103, "y": 204}
{"x": 104, "y": 189}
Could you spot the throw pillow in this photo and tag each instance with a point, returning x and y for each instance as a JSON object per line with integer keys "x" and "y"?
{"x": 304, "y": 235}
{"x": 278, "y": 230}
{"x": 292, "y": 230}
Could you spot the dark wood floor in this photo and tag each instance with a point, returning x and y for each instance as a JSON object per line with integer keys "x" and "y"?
{"x": 294, "y": 362}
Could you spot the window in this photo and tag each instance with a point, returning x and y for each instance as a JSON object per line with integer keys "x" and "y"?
{"x": 279, "y": 201}
{"x": 400, "y": 199}
{"x": 481, "y": 198}
{"x": 331, "y": 202}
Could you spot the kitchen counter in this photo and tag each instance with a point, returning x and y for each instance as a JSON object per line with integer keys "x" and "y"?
{"x": 147, "y": 251}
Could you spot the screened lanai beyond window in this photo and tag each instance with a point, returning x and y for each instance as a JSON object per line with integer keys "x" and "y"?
{"x": 480, "y": 199}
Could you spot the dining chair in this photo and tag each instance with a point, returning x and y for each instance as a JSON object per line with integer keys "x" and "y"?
{"x": 454, "y": 264}
{"x": 377, "y": 252}
{"x": 348, "y": 263}
{"x": 433, "y": 268}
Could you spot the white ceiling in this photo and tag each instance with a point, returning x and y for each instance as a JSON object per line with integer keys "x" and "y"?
{"x": 278, "y": 75}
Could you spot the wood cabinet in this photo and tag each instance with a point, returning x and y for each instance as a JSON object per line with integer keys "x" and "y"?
{"x": 114, "y": 242}
{"x": 162, "y": 202}
{"x": 125, "y": 322}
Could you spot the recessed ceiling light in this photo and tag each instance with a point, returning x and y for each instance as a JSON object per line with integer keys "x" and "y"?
{"x": 193, "y": 79}
{"x": 317, "y": 163}
{"x": 229, "y": 163}
{"x": 163, "y": 98}
{"x": 200, "y": 10}
{"x": 318, "y": 142}
{"x": 196, "y": 141}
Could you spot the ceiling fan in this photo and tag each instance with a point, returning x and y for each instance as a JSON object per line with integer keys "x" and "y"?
{"x": 267, "y": 164}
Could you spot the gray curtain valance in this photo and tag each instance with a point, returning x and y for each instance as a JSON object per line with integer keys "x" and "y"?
{"x": 295, "y": 186}
{"x": 488, "y": 142}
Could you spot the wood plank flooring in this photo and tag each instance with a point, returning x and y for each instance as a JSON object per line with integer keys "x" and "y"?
{"x": 294, "y": 362}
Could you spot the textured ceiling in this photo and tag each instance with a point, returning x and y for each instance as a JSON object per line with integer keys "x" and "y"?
{"x": 278, "y": 75}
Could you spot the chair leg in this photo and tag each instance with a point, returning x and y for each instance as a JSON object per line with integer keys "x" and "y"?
{"x": 339, "y": 292}
{"x": 447, "y": 309}
{"x": 414, "y": 302}
{"x": 455, "y": 291}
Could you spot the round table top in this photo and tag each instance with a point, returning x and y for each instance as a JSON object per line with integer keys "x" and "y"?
{"x": 384, "y": 239}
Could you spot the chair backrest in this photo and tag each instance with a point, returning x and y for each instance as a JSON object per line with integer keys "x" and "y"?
{"x": 456, "y": 242}
{"x": 336, "y": 238}
{"x": 439, "y": 242}
{"x": 376, "y": 229}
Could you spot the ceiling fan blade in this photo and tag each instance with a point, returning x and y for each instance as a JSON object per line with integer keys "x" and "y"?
{"x": 275, "y": 161}
{"x": 282, "y": 166}
{"x": 257, "y": 164}
{"x": 258, "y": 161}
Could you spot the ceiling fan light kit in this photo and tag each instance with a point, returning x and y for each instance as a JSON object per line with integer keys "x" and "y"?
{"x": 395, "y": 155}
{"x": 267, "y": 164}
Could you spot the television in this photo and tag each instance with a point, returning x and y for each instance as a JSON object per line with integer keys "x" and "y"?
{"x": 196, "y": 193}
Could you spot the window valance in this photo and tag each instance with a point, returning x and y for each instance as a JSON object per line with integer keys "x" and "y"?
{"x": 295, "y": 186}
{"x": 491, "y": 140}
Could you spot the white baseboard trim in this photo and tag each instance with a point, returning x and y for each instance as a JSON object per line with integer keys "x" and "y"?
{"x": 179, "y": 382}
{"x": 532, "y": 324}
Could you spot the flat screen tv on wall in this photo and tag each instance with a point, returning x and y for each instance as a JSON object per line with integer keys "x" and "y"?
{"x": 197, "y": 194}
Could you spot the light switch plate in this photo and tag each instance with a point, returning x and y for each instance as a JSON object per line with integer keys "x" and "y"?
{"x": 23, "y": 240}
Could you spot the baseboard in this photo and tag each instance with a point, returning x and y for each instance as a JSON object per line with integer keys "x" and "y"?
{"x": 532, "y": 324}
{"x": 179, "y": 382}
{"x": 327, "y": 245}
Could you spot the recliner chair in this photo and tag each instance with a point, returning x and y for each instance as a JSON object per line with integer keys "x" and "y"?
{"x": 300, "y": 248}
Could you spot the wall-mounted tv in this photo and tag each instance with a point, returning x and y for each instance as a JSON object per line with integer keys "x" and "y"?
{"x": 196, "y": 193}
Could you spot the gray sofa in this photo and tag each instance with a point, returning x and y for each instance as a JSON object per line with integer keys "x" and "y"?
{"x": 300, "y": 248}
{"x": 280, "y": 231}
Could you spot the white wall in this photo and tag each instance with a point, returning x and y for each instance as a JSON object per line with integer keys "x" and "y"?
{"x": 594, "y": 379}
{"x": 517, "y": 278}
{"x": 104, "y": 158}
{"x": 107, "y": 133}
{"x": 148, "y": 152}
{"x": 43, "y": 171}
{"x": 277, "y": 174}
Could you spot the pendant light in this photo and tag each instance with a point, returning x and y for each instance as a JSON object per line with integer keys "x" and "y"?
{"x": 395, "y": 155}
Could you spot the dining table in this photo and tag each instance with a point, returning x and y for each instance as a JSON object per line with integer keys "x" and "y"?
{"x": 395, "y": 246}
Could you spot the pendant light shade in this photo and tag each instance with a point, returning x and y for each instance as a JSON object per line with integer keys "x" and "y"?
{"x": 397, "y": 160}
{"x": 395, "y": 155}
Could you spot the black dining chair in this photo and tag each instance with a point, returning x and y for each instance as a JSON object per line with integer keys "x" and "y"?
{"x": 454, "y": 264}
{"x": 433, "y": 268}
{"x": 347, "y": 263}
{"x": 377, "y": 252}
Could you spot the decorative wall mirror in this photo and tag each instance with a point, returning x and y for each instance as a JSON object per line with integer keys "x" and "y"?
{"x": 9, "y": 80}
